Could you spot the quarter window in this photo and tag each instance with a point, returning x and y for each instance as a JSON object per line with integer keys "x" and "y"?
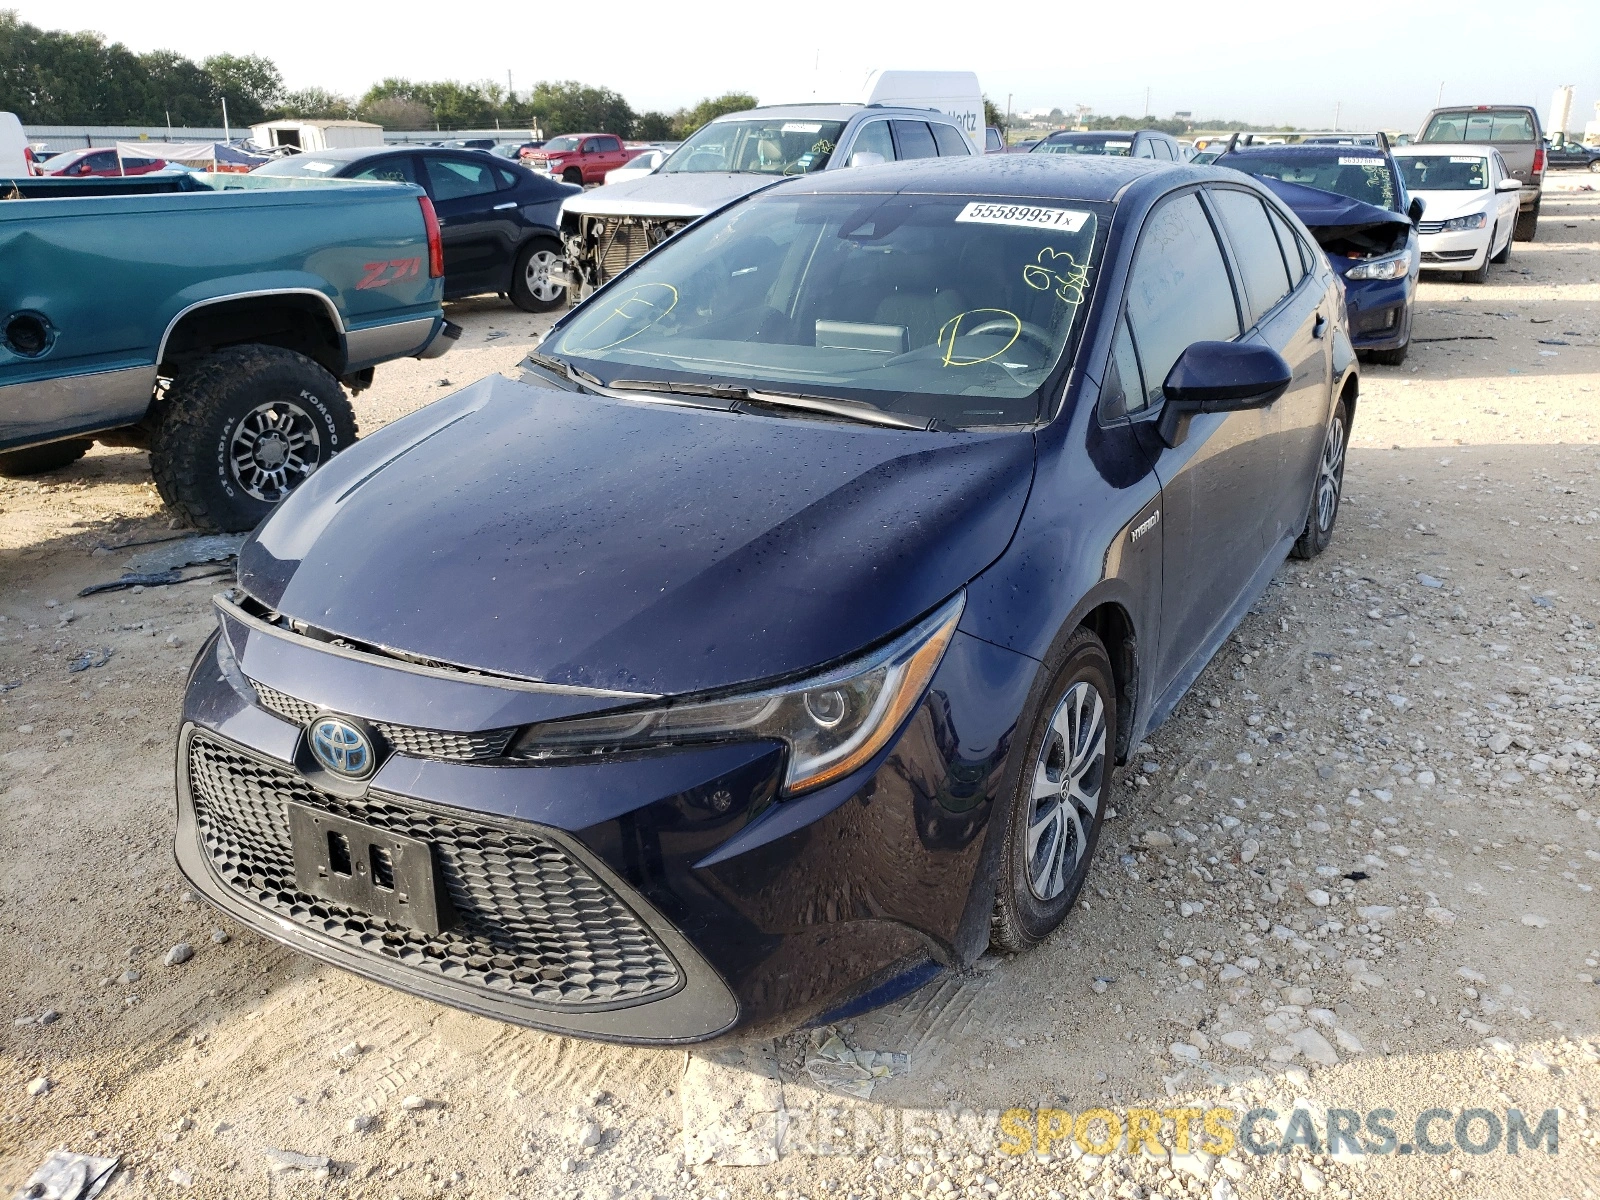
{"x": 608, "y": 144}
{"x": 1294, "y": 252}
{"x": 1255, "y": 249}
{"x": 1179, "y": 292}
{"x": 913, "y": 140}
{"x": 456, "y": 179}
{"x": 949, "y": 140}
{"x": 1124, "y": 390}
{"x": 390, "y": 170}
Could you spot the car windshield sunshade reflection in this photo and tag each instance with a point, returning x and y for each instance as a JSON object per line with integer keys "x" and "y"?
{"x": 944, "y": 308}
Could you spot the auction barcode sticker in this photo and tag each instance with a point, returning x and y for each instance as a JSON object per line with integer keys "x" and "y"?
{"x": 1070, "y": 219}
{"x": 1464, "y": 158}
{"x": 1361, "y": 162}
{"x": 801, "y": 127}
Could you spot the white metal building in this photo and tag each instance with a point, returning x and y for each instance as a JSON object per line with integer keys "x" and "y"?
{"x": 316, "y": 135}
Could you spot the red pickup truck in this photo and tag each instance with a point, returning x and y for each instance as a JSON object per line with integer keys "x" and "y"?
{"x": 582, "y": 157}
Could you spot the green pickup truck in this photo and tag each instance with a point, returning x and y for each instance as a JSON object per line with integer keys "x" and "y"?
{"x": 214, "y": 319}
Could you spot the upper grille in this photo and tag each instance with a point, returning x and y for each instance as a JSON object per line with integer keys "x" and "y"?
{"x": 622, "y": 241}
{"x": 531, "y": 922}
{"x": 402, "y": 739}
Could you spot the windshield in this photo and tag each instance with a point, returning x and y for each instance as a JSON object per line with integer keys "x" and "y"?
{"x": 299, "y": 164}
{"x": 1438, "y": 173}
{"x": 940, "y": 308}
{"x": 771, "y": 146}
{"x": 1365, "y": 177}
{"x": 1495, "y": 125}
{"x": 556, "y": 145}
{"x": 1118, "y": 146}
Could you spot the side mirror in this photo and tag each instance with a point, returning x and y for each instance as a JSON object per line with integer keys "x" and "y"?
{"x": 1415, "y": 210}
{"x": 866, "y": 158}
{"x": 1212, "y": 377}
{"x": 1508, "y": 185}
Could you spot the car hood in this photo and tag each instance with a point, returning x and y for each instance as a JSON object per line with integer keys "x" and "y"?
{"x": 677, "y": 195}
{"x": 643, "y": 547}
{"x": 1441, "y": 206}
{"x": 1342, "y": 226}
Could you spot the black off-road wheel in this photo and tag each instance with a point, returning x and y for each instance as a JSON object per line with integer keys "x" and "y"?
{"x": 241, "y": 429}
{"x": 36, "y": 460}
{"x": 1059, "y": 801}
{"x": 1527, "y": 227}
{"x": 533, "y": 284}
{"x": 1326, "y": 488}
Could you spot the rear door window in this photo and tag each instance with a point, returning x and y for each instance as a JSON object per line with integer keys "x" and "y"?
{"x": 912, "y": 140}
{"x": 609, "y": 144}
{"x": 457, "y": 179}
{"x": 873, "y": 138}
{"x": 1179, "y": 291}
{"x": 949, "y": 140}
{"x": 1255, "y": 249}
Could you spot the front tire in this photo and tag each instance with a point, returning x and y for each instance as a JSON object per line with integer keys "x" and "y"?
{"x": 1505, "y": 252}
{"x": 1327, "y": 488}
{"x": 1388, "y": 358}
{"x": 241, "y": 429}
{"x": 36, "y": 460}
{"x": 1481, "y": 275}
{"x": 1058, "y": 805}
{"x": 533, "y": 288}
{"x": 572, "y": 175}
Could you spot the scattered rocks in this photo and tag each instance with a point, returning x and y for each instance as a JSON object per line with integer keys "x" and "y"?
{"x": 39, "y": 1086}
{"x": 179, "y": 954}
{"x": 589, "y": 1134}
{"x": 1318, "y": 897}
{"x": 1157, "y": 839}
{"x": 362, "y": 1123}
{"x": 1440, "y": 916}
{"x": 417, "y": 1103}
{"x": 1248, "y": 849}
{"x": 289, "y": 1160}
{"x": 1311, "y": 1178}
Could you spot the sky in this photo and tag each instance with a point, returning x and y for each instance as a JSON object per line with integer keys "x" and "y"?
{"x": 1376, "y": 65}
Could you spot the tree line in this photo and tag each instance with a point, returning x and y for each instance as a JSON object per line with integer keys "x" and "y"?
{"x": 55, "y": 77}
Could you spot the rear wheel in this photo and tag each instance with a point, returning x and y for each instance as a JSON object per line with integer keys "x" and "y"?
{"x": 36, "y": 460}
{"x": 1527, "y": 227}
{"x": 1059, "y": 801}
{"x": 1481, "y": 275}
{"x": 1326, "y": 488}
{"x": 241, "y": 429}
{"x": 533, "y": 282}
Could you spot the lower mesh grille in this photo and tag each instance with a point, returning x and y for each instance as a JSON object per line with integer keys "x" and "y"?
{"x": 531, "y": 922}
{"x": 402, "y": 739}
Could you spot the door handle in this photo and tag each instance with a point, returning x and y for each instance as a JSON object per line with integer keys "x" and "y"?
{"x": 507, "y": 204}
{"x": 1321, "y": 326}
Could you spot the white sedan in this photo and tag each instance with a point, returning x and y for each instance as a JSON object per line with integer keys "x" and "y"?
{"x": 1470, "y": 206}
{"x": 637, "y": 168}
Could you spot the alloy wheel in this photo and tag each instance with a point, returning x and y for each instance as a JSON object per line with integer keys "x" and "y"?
{"x": 539, "y": 276}
{"x": 1067, "y": 780}
{"x": 273, "y": 450}
{"x": 1330, "y": 475}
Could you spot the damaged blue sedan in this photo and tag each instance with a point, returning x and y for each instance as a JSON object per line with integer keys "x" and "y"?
{"x": 772, "y": 642}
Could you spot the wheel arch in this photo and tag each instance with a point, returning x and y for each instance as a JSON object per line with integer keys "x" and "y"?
{"x": 300, "y": 319}
{"x": 1113, "y": 625}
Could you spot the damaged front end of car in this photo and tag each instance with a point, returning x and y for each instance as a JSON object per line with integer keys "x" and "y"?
{"x": 601, "y": 246}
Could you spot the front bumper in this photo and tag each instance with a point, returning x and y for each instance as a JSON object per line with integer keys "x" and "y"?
{"x": 1379, "y": 311}
{"x": 665, "y": 897}
{"x": 1461, "y": 250}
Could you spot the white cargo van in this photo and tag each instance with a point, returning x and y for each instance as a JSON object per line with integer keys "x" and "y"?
{"x": 902, "y": 115}
{"x": 15, "y": 158}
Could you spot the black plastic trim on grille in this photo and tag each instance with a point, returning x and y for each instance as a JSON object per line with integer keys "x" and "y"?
{"x": 533, "y": 923}
{"x": 402, "y": 739}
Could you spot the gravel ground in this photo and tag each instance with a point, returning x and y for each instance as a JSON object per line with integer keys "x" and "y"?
{"x": 1356, "y": 870}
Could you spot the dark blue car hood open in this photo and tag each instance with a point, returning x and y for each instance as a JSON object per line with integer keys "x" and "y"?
{"x": 1334, "y": 219}
{"x": 605, "y": 543}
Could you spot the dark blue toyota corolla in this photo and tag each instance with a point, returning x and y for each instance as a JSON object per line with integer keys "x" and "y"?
{"x": 778, "y": 633}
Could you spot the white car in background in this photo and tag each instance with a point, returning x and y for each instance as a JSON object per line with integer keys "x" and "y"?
{"x": 1470, "y": 201}
{"x": 638, "y": 168}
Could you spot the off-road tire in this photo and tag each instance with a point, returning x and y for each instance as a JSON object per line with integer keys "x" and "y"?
{"x": 1527, "y": 227}
{"x": 36, "y": 460}
{"x": 191, "y": 452}
{"x": 1505, "y": 255}
{"x": 1021, "y": 919}
{"x": 1481, "y": 275}
{"x": 522, "y": 294}
{"x": 1320, "y": 520}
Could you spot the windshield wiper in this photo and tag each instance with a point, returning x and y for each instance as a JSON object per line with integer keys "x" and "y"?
{"x": 566, "y": 371}
{"x": 850, "y": 410}
{"x": 668, "y": 387}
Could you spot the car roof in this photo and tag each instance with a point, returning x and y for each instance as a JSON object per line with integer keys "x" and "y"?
{"x": 827, "y": 112}
{"x": 1320, "y": 150}
{"x": 1097, "y": 133}
{"x": 1090, "y": 179}
{"x": 1439, "y": 149}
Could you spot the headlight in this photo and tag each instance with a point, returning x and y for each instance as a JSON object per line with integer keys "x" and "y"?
{"x": 1475, "y": 221}
{"x": 1394, "y": 266}
{"x": 832, "y": 724}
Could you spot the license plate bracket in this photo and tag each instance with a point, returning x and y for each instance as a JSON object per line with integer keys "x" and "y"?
{"x": 380, "y": 872}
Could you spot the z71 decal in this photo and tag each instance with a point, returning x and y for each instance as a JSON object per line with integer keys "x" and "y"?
{"x": 382, "y": 274}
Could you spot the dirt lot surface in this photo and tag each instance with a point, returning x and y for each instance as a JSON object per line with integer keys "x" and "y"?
{"x": 1355, "y": 870}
